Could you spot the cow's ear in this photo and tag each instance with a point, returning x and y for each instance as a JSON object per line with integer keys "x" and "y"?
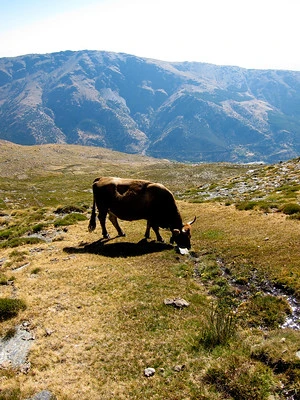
{"x": 176, "y": 232}
{"x": 185, "y": 229}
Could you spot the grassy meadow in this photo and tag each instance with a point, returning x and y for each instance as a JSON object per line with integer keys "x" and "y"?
{"x": 96, "y": 308}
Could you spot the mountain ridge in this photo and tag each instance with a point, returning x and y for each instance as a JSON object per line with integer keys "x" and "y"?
{"x": 185, "y": 111}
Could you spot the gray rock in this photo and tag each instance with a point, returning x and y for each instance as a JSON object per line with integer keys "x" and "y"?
{"x": 14, "y": 351}
{"x": 149, "y": 372}
{"x": 44, "y": 395}
{"x": 177, "y": 302}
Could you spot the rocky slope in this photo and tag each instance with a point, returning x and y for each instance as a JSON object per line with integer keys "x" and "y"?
{"x": 182, "y": 111}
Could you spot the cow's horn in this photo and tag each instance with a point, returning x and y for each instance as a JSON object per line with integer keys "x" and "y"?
{"x": 191, "y": 222}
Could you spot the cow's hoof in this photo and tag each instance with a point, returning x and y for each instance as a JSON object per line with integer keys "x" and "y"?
{"x": 106, "y": 236}
{"x": 122, "y": 234}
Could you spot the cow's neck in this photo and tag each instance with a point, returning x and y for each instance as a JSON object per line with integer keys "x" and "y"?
{"x": 176, "y": 223}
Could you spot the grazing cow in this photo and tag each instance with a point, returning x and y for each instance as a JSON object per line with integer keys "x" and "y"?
{"x": 130, "y": 200}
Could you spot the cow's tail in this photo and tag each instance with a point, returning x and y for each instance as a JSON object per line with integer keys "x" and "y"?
{"x": 92, "y": 224}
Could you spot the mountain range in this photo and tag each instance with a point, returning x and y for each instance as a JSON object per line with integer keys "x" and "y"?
{"x": 184, "y": 111}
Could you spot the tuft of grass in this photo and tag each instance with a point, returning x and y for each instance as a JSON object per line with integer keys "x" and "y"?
{"x": 20, "y": 241}
{"x": 36, "y": 270}
{"x": 68, "y": 209}
{"x": 10, "y": 394}
{"x": 220, "y": 326}
{"x": 291, "y": 208}
{"x": 10, "y": 308}
{"x": 70, "y": 219}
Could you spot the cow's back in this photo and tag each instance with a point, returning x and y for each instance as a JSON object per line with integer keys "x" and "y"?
{"x": 131, "y": 199}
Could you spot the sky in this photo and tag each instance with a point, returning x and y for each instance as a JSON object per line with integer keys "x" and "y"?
{"x": 259, "y": 34}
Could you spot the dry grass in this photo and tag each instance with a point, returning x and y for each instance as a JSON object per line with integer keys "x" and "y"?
{"x": 96, "y": 309}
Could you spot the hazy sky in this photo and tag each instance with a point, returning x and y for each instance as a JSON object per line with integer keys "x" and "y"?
{"x": 246, "y": 33}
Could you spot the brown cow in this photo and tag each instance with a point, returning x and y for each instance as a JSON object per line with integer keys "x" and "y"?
{"x": 130, "y": 200}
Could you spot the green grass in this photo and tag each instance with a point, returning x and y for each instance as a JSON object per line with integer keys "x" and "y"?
{"x": 10, "y": 308}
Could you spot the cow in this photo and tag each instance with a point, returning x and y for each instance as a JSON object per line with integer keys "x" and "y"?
{"x": 130, "y": 200}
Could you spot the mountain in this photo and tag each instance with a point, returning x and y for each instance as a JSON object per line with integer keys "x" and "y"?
{"x": 182, "y": 111}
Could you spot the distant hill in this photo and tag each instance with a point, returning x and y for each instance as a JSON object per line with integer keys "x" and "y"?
{"x": 182, "y": 111}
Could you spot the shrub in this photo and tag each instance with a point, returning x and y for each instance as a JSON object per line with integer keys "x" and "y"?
{"x": 10, "y": 308}
{"x": 246, "y": 205}
{"x": 291, "y": 208}
{"x": 37, "y": 228}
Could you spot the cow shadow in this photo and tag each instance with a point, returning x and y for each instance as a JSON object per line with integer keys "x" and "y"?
{"x": 104, "y": 247}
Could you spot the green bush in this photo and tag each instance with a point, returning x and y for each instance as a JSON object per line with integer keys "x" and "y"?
{"x": 10, "y": 308}
{"x": 291, "y": 208}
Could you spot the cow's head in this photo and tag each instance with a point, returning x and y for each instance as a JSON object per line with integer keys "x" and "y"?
{"x": 183, "y": 237}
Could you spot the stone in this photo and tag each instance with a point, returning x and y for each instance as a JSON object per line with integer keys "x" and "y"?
{"x": 177, "y": 302}
{"x": 149, "y": 372}
{"x": 44, "y": 395}
{"x": 179, "y": 368}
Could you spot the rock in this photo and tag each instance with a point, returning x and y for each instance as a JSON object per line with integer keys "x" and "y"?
{"x": 44, "y": 395}
{"x": 149, "y": 372}
{"x": 179, "y": 368}
{"x": 15, "y": 349}
{"x": 298, "y": 354}
{"x": 177, "y": 302}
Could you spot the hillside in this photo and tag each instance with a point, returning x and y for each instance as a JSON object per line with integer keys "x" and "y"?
{"x": 180, "y": 111}
{"x": 94, "y": 314}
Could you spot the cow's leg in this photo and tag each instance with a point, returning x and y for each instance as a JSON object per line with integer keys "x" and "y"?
{"x": 102, "y": 218}
{"x": 114, "y": 220}
{"x": 147, "y": 233}
{"x": 156, "y": 230}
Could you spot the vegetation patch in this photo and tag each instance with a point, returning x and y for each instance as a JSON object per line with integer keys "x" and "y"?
{"x": 219, "y": 326}
{"x": 70, "y": 209}
{"x": 264, "y": 311}
{"x": 291, "y": 208}
{"x": 20, "y": 241}
{"x": 240, "y": 378}
{"x": 69, "y": 219}
{"x": 10, "y": 308}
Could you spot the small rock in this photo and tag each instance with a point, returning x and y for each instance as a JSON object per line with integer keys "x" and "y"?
{"x": 149, "y": 372}
{"x": 298, "y": 354}
{"x": 177, "y": 302}
{"x": 48, "y": 332}
{"x": 179, "y": 368}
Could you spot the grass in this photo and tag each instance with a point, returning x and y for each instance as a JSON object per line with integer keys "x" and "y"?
{"x": 97, "y": 308}
{"x": 10, "y": 308}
